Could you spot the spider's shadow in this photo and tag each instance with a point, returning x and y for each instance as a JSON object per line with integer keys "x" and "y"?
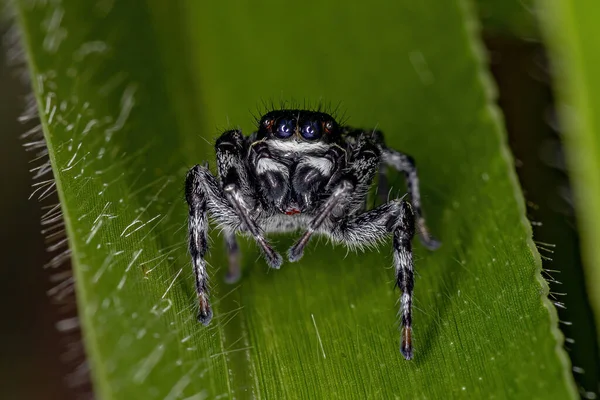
{"x": 446, "y": 283}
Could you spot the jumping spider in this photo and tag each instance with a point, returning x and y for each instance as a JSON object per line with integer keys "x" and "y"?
{"x": 301, "y": 170}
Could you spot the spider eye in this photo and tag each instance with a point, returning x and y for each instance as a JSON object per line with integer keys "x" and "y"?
{"x": 285, "y": 128}
{"x": 311, "y": 130}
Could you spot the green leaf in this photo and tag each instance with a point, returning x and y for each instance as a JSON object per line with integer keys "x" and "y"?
{"x": 133, "y": 93}
{"x": 569, "y": 27}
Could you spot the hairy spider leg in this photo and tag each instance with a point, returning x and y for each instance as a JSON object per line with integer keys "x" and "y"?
{"x": 374, "y": 226}
{"x": 348, "y": 193}
{"x": 235, "y": 198}
{"x": 402, "y": 163}
{"x": 205, "y": 196}
{"x": 406, "y": 164}
{"x": 341, "y": 192}
{"x": 230, "y": 149}
{"x": 196, "y": 196}
{"x": 228, "y": 146}
{"x": 403, "y": 261}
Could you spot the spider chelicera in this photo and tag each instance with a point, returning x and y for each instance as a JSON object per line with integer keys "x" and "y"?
{"x": 301, "y": 170}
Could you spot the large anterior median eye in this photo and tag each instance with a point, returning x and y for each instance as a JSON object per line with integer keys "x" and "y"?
{"x": 311, "y": 130}
{"x": 285, "y": 128}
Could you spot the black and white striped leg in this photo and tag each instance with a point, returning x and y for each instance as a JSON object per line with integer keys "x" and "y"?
{"x": 198, "y": 239}
{"x": 341, "y": 194}
{"x": 233, "y": 256}
{"x": 235, "y": 181}
{"x": 403, "y": 262}
{"x": 233, "y": 194}
{"x": 204, "y": 195}
{"x": 370, "y": 228}
{"x": 405, "y": 163}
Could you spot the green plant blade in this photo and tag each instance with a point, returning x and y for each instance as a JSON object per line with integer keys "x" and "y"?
{"x": 569, "y": 27}
{"x": 131, "y": 92}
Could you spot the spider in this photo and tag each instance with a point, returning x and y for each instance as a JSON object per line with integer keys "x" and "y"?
{"x": 301, "y": 170}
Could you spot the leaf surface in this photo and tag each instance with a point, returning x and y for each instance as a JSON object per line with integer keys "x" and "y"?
{"x": 134, "y": 93}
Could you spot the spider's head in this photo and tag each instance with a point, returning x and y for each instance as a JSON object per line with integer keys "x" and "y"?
{"x": 310, "y": 126}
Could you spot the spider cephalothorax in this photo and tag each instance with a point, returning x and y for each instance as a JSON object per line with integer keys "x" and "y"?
{"x": 302, "y": 171}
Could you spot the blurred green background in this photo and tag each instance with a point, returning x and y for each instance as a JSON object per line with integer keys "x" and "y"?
{"x": 36, "y": 360}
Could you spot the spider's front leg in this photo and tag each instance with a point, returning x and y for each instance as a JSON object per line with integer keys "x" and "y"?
{"x": 236, "y": 185}
{"x": 204, "y": 195}
{"x": 395, "y": 217}
{"x": 347, "y": 192}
